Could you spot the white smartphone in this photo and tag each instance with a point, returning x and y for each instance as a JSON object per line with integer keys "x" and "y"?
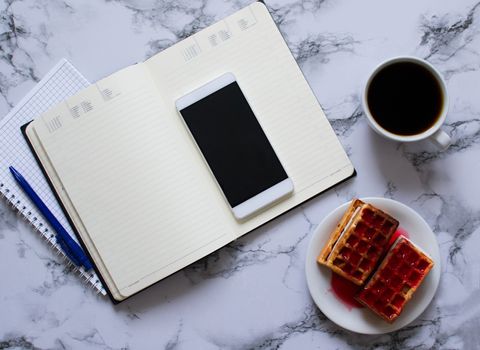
{"x": 234, "y": 146}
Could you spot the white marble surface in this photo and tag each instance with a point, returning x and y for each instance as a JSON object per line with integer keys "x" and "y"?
{"x": 252, "y": 293}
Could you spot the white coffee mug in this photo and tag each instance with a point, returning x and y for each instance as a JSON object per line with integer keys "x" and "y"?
{"x": 433, "y": 133}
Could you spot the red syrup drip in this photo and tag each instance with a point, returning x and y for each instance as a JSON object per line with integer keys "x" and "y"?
{"x": 399, "y": 232}
{"x": 345, "y": 290}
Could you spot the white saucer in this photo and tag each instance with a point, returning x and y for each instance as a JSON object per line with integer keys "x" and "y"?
{"x": 362, "y": 320}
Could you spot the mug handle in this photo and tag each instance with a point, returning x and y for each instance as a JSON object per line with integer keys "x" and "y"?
{"x": 441, "y": 139}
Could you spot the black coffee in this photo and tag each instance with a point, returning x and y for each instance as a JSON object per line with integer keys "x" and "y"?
{"x": 405, "y": 98}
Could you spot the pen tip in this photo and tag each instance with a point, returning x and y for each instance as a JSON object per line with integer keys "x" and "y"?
{"x": 13, "y": 170}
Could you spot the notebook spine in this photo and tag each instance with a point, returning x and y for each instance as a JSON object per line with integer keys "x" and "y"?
{"x": 38, "y": 226}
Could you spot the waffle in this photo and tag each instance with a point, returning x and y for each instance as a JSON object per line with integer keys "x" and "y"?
{"x": 358, "y": 242}
{"x": 395, "y": 281}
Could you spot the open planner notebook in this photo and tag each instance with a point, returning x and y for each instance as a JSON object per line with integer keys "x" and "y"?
{"x": 130, "y": 177}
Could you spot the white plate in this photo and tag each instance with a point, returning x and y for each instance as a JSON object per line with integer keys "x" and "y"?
{"x": 362, "y": 320}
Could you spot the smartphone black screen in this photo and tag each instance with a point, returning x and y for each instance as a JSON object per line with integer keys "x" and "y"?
{"x": 233, "y": 144}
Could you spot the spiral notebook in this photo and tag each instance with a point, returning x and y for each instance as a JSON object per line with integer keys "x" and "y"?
{"x": 61, "y": 82}
{"x": 141, "y": 197}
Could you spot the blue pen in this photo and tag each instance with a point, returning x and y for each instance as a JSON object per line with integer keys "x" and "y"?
{"x": 69, "y": 246}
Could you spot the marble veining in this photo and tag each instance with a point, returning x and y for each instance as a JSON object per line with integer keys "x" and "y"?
{"x": 17, "y": 64}
{"x": 248, "y": 251}
{"x": 252, "y": 294}
{"x": 445, "y": 36}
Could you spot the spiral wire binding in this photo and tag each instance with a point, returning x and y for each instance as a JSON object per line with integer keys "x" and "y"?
{"x": 89, "y": 278}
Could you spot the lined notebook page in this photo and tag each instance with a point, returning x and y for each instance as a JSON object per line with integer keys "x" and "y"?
{"x": 249, "y": 45}
{"x": 124, "y": 171}
{"x": 134, "y": 181}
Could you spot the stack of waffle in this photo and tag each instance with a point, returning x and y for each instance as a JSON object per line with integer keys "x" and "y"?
{"x": 358, "y": 246}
